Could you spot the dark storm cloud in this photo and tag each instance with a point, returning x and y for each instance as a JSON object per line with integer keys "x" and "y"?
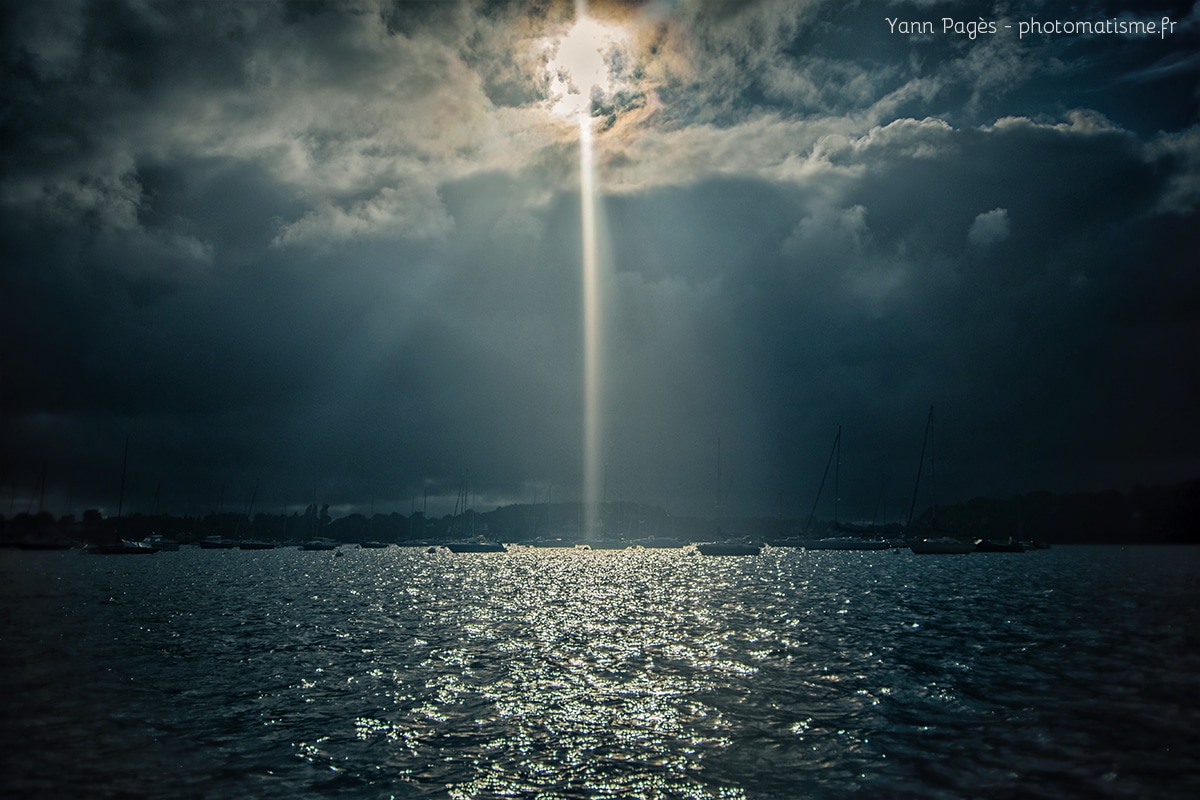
{"x": 869, "y": 307}
{"x": 334, "y": 248}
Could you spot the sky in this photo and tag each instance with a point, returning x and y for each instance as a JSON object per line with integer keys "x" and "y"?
{"x": 331, "y": 252}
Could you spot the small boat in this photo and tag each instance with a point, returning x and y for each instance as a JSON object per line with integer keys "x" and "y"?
{"x": 726, "y": 546}
{"x": 161, "y": 542}
{"x": 553, "y": 541}
{"x": 855, "y": 537}
{"x": 657, "y": 543}
{"x": 1010, "y": 545}
{"x": 374, "y": 545}
{"x": 847, "y": 543}
{"x": 121, "y": 547}
{"x": 217, "y": 543}
{"x": 941, "y": 545}
{"x": 473, "y": 538}
{"x": 252, "y": 543}
{"x": 256, "y": 544}
{"x": 994, "y": 546}
{"x": 476, "y": 547}
{"x": 606, "y": 544}
{"x": 125, "y": 547}
{"x": 319, "y": 544}
{"x": 729, "y": 548}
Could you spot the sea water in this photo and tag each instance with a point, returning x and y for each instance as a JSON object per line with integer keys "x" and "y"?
{"x": 1071, "y": 672}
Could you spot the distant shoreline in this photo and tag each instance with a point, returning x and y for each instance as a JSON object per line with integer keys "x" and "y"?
{"x": 1155, "y": 515}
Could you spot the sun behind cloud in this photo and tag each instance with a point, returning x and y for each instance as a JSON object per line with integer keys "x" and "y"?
{"x": 586, "y": 65}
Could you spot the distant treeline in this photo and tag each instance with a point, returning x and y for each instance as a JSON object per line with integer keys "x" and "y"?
{"x": 1144, "y": 515}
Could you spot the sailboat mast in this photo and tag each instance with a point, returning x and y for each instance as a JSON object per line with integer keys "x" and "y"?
{"x": 237, "y": 528}
{"x": 121, "y": 494}
{"x": 717, "y": 509}
{"x": 42, "y": 491}
{"x": 932, "y": 475}
{"x": 836, "y": 440}
{"x": 920, "y": 464}
{"x": 878, "y": 501}
{"x": 837, "y": 471}
{"x": 457, "y": 502}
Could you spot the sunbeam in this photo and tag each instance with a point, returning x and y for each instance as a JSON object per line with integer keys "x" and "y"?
{"x": 593, "y": 333}
{"x": 580, "y": 71}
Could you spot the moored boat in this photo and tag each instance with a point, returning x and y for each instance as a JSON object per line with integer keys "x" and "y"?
{"x": 657, "y": 543}
{"x": 256, "y": 544}
{"x": 847, "y": 543}
{"x": 941, "y": 543}
{"x": 729, "y": 548}
{"x": 994, "y": 546}
{"x": 726, "y": 545}
{"x": 161, "y": 542}
{"x": 124, "y": 547}
{"x": 852, "y": 537}
{"x": 319, "y": 544}
{"x": 120, "y": 547}
{"x": 944, "y": 545}
{"x": 476, "y": 547}
{"x": 217, "y": 543}
{"x": 606, "y": 544}
{"x": 553, "y": 541}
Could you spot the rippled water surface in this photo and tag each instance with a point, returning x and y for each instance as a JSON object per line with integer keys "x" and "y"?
{"x": 1073, "y": 672}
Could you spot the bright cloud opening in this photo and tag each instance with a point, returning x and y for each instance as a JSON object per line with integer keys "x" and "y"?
{"x": 585, "y": 63}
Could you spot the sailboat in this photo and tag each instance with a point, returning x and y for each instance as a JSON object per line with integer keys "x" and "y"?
{"x": 251, "y": 543}
{"x": 840, "y": 542}
{"x": 47, "y": 536}
{"x": 936, "y": 544}
{"x": 125, "y": 547}
{"x": 1001, "y": 546}
{"x": 312, "y": 542}
{"x": 372, "y": 544}
{"x": 122, "y": 547}
{"x": 475, "y": 539}
{"x": 727, "y": 547}
{"x": 161, "y": 542}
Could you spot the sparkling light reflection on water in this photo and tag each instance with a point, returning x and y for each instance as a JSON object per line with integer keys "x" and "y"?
{"x": 555, "y": 673}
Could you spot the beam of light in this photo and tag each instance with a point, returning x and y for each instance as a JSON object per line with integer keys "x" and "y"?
{"x": 593, "y": 333}
{"x": 579, "y": 69}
